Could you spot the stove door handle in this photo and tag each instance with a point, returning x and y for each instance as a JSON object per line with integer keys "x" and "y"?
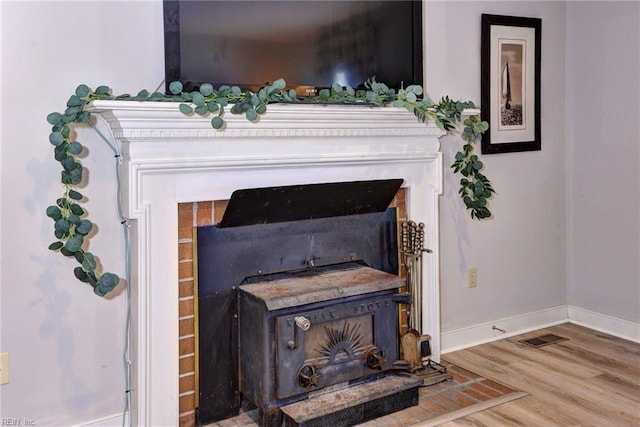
{"x": 402, "y": 298}
{"x": 302, "y": 322}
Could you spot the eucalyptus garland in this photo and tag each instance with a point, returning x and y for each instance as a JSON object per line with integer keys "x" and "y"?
{"x": 71, "y": 227}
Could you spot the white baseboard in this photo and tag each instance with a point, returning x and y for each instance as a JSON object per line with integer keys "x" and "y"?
{"x": 483, "y": 333}
{"x": 470, "y": 336}
{"x": 111, "y": 421}
{"x": 604, "y": 323}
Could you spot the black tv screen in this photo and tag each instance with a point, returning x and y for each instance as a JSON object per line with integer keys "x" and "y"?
{"x": 311, "y": 44}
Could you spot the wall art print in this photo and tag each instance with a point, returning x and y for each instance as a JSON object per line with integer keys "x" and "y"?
{"x": 510, "y": 83}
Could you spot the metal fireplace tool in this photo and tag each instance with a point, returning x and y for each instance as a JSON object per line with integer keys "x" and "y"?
{"x": 415, "y": 345}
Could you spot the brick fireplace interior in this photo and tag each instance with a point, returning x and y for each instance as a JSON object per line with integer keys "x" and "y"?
{"x": 190, "y": 216}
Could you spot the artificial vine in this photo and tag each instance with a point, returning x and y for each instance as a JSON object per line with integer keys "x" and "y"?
{"x": 71, "y": 227}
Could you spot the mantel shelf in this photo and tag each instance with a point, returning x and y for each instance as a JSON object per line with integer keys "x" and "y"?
{"x": 133, "y": 119}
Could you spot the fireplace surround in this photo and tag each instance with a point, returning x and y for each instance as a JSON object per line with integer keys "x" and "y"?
{"x": 169, "y": 158}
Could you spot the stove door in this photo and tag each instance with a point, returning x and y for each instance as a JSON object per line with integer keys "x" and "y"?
{"x": 335, "y": 344}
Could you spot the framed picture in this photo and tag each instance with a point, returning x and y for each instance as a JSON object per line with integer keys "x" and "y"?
{"x": 510, "y": 85}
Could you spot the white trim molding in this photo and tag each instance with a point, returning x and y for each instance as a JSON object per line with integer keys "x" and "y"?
{"x": 604, "y": 323}
{"x": 111, "y": 421}
{"x": 169, "y": 158}
{"x": 470, "y": 336}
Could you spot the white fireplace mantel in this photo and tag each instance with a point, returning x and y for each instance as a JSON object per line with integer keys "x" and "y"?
{"x": 169, "y": 158}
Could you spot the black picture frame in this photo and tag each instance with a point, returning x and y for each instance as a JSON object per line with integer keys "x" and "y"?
{"x": 510, "y": 94}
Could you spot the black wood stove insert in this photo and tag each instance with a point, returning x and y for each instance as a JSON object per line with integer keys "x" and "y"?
{"x": 298, "y": 297}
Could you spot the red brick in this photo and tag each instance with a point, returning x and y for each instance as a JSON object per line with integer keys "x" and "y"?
{"x": 185, "y": 270}
{"x": 186, "y": 346}
{"x": 457, "y": 377}
{"x": 185, "y": 220}
{"x": 187, "y": 402}
{"x": 185, "y": 250}
{"x": 204, "y": 214}
{"x": 432, "y": 407}
{"x": 186, "y": 364}
{"x": 445, "y": 403}
{"x": 188, "y": 419}
{"x": 185, "y": 288}
{"x": 486, "y": 390}
{"x": 458, "y": 397}
{"x": 219, "y": 206}
{"x": 185, "y": 308}
{"x": 186, "y": 326}
{"x": 476, "y": 395}
{"x": 187, "y": 383}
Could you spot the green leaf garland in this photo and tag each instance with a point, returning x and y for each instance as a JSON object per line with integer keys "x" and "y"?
{"x": 72, "y": 231}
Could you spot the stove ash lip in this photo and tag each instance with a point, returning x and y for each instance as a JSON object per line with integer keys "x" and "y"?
{"x": 322, "y": 284}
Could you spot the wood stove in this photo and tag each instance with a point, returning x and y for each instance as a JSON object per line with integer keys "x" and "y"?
{"x": 298, "y": 296}
{"x": 304, "y": 331}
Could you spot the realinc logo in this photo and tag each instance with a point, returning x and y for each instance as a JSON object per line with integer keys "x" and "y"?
{"x": 17, "y": 422}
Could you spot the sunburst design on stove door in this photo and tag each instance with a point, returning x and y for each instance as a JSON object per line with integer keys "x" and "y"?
{"x": 342, "y": 344}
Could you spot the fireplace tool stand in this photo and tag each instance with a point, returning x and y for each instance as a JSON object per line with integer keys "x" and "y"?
{"x": 415, "y": 345}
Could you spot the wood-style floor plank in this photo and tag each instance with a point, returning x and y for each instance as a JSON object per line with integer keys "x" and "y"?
{"x": 593, "y": 379}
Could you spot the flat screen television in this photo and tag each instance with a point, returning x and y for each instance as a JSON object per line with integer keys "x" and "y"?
{"x": 311, "y": 44}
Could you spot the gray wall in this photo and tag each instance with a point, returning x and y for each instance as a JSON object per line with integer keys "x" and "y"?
{"x": 66, "y": 344}
{"x": 520, "y": 252}
{"x": 565, "y": 227}
{"x": 603, "y": 157}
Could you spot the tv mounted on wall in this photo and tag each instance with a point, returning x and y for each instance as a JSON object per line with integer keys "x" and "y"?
{"x": 311, "y": 44}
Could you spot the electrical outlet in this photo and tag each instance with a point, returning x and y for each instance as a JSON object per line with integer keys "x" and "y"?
{"x": 4, "y": 368}
{"x": 472, "y": 277}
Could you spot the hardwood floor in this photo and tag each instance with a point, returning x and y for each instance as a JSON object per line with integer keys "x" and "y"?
{"x": 593, "y": 379}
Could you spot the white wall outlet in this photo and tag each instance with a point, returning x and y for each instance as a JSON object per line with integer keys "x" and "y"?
{"x": 472, "y": 277}
{"x": 4, "y": 368}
